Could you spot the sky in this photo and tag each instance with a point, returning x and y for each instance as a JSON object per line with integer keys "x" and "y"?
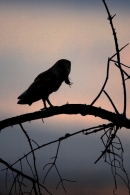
{"x": 33, "y": 36}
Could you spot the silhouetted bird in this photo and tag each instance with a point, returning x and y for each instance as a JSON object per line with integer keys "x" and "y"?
{"x": 46, "y": 83}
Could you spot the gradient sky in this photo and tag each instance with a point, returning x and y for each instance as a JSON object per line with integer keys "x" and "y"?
{"x": 33, "y": 36}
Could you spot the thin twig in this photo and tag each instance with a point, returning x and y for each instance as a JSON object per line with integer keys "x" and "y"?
{"x": 108, "y": 145}
{"x": 121, "y": 63}
{"x": 107, "y": 75}
{"x": 111, "y": 102}
{"x": 118, "y": 55}
{"x": 122, "y": 70}
{"x": 24, "y": 176}
{"x": 34, "y": 158}
{"x": 99, "y": 128}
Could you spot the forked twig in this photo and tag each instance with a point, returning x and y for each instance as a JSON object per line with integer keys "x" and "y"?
{"x": 53, "y": 164}
{"x": 114, "y": 156}
{"x": 121, "y": 63}
{"x": 107, "y": 146}
{"x": 107, "y": 75}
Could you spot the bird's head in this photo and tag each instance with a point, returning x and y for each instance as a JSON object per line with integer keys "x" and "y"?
{"x": 63, "y": 67}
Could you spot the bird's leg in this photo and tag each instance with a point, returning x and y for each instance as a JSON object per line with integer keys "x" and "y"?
{"x": 49, "y": 102}
{"x": 44, "y": 102}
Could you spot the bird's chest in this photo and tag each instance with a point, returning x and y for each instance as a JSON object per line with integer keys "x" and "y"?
{"x": 55, "y": 84}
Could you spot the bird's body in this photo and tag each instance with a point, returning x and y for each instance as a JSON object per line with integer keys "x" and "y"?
{"x": 47, "y": 83}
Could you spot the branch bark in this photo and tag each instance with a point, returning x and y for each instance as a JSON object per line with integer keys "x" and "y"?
{"x": 117, "y": 119}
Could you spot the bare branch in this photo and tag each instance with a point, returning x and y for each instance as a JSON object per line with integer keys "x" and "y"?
{"x": 107, "y": 75}
{"x": 105, "y": 82}
{"x": 121, "y": 64}
{"x": 82, "y": 109}
{"x": 118, "y": 54}
{"x": 34, "y": 182}
{"x": 120, "y": 50}
{"x": 34, "y": 158}
{"x": 17, "y": 171}
{"x": 107, "y": 146}
{"x": 87, "y": 131}
{"x": 114, "y": 155}
{"x": 122, "y": 70}
{"x": 111, "y": 102}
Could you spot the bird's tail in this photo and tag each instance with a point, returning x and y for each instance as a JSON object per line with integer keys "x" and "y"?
{"x": 22, "y": 101}
{"x": 23, "y": 98}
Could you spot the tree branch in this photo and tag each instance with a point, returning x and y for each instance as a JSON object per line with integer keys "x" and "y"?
{"x": 19, "y": 173}
{"x": 34, "y": 182}
{"x": 107, "y": 75}
{"x": 83, "y": 109}
{"x": 111, "y": 102}
{"x": 110, "y": 18}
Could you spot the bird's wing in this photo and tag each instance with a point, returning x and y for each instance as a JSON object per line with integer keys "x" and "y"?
{"x": 43, "y": 75}
{"x": 41, "y": 81}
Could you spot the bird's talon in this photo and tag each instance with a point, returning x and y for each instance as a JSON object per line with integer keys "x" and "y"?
{"x": 43, "y": 109}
